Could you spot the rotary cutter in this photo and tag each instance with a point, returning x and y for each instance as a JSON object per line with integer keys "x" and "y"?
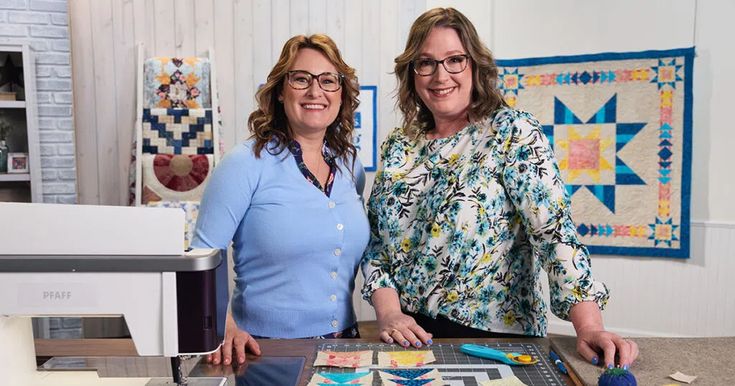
{"x": 491, "y": 353}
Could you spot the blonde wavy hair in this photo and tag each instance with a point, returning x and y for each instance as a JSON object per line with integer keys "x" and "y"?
{"x": 485, "y": 99}
{"x": 269, "y": 122}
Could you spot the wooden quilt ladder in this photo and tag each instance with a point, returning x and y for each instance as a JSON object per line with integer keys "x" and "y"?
{"x": 177, "y": 133}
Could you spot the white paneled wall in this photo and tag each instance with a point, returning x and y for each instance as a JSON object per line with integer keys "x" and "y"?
{"x": 671, "y": 297}
{"x": 247, "y": 37}
{"x": 649, "y": 296}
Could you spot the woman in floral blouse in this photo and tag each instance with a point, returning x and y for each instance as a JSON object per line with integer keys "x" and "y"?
{"x": 469, "y": 208}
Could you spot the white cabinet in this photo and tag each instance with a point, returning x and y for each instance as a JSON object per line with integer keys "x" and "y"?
{"x": 18, "y": 114}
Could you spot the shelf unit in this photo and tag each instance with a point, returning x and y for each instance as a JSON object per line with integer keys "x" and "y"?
{"x": 22, "y": 116}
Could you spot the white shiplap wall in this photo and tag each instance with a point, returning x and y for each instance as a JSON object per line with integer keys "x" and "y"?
{"x": 650, "y": 296}
{"x": 246, "y": 36}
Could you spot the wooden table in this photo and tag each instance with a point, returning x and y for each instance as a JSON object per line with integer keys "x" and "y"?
{"x": 159, "y": 367}
{"x": 707, "y": 358}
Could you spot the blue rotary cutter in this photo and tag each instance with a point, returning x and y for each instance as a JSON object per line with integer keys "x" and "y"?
{"x": 491, "y": 353}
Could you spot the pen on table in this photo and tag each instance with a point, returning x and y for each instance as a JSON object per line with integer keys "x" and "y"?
{"x": 557, "y": 361}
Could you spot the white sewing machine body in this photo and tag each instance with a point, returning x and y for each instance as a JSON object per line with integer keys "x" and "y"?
{"x": 73, "y": 260}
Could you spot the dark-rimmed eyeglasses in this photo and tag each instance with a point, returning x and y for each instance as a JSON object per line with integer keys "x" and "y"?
{"x": 301, "y": 80}
{"x": 453, "y": 64}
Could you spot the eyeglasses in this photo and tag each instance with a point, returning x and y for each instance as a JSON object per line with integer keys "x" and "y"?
{"x": 328, "y": 81}
{"x": 453, "y": 64}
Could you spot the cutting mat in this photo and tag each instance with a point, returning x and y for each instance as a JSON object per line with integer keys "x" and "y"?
{"x": 459, "y": 369}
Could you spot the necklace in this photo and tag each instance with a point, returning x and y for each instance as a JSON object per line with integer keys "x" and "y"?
{"x": 318, "y": 169}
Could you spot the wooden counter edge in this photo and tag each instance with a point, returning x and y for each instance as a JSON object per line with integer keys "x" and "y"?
{"x": 85, "y": 347}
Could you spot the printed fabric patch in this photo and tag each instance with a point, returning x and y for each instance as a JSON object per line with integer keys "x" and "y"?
{"x": 168, "y": 177}
{"x": 177, "y": 83}
{"x": 427, "y": 376}
{"x": 351, "y": 359}
{"x": 405, "y": 358}
{"x": 360, "y": 378}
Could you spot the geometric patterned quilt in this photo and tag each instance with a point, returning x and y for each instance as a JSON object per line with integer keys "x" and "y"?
{"x": 177, "y": 131}
{"x": 177, "y": 83}
{"x": 621, "y": 128}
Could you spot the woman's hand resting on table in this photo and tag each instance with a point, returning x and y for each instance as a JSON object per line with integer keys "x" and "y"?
{"x": 237, "y": 343}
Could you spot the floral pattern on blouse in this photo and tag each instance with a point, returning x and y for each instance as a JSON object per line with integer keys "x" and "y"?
{"x": 463, "y": 226}
{"x": 295, "y": 149}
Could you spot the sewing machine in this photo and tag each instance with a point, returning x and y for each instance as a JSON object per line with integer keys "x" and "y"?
{"x": 76, "y": 260}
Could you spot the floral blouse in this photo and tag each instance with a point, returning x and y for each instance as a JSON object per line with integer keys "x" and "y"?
{"x": 462, "y": 227}
{"x": 295, "y": 149}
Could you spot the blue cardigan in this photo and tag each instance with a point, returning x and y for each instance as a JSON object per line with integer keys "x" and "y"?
{"x": 296, "y": 251}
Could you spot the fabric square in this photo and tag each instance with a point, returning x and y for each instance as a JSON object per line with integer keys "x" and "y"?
{"x": 177, "y": 83}
{"x": 621, "y": 128}
{"x": 425, "y": 376}
{"x": 168, "y": 177}
{"x": 352, "y": 359}
{"x": 177, "y": 131}
{"x": 413, "y": 382}
{"x": 425, "y": 373}
{"x": 407, "y": 358}
{"x": 361, "y": 378}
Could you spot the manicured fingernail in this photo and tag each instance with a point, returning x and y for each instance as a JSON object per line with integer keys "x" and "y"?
{"x": 405, "y": 343}
{"x": 241, "y": 359}
{"x": 595, "y": 360}
{"x": 389, "y": 341}
{"x": 216, "y": 361}
{"x": 626, "y": 367}
{"x": 418, "y": 344}
{"x": 429, "y": 341}
{"x": 610, "y": 366}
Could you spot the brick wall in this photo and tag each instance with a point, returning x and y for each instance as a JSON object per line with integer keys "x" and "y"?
{"x": 44, "y": 24}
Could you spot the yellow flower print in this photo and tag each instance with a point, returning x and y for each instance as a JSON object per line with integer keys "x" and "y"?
{"x": 192, "y": 80}
{"x": 435, "y": 230}
{"x": 191, "y": 60}
{"x": 577, "y": 292}
{"x": 192, "y": 104}
{"x": 485, "y": 259}
{"x": 163, "y": 78}
{"x": 406, "y": 245}
{"x": 453, "y": 158}
{"x": 452, "y": 296}
{"x": 397, "y": 176}
{"x": 509, "y": 319}
{"x": 481, "y": 212}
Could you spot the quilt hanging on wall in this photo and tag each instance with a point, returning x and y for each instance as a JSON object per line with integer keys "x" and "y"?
{"x": 620, "y": 125}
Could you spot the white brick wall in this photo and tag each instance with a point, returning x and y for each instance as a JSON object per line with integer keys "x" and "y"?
{"x": 44, "y": 24}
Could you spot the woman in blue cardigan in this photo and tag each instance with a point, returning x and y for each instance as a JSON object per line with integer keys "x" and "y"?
{"x": 290, "y": 200}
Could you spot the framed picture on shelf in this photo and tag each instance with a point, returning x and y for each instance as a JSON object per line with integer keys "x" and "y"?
{"x": 17, "y": 162}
